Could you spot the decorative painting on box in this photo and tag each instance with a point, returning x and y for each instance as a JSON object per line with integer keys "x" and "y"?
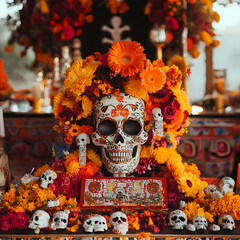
{"x": 98, "y": 192}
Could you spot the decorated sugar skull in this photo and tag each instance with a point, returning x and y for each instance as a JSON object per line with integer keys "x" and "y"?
{"x": 226, "y": 222}
{"x": 178, "y": 219}
{"x": 47, "y": 177}
{"x": 40, "y": 219}
{"x": 60, "y": 220}
{"x": 226, "y": 185}
{"x": 95, "y": 223}
{"x": 200, "y": 222}
{"x": 120, "y": 131}
{"x": 212, "y": 192}
{"x": 119, "y": 222}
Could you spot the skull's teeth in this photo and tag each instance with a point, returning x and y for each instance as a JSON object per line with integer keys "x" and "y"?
{"x": 120, "y": 154}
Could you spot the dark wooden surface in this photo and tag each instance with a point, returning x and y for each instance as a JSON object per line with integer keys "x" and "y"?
{"x": 168, "y": 232}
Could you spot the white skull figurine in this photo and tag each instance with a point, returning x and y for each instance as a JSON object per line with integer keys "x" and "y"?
{"x": 40, "y": 219}
{"x": 200, "y": 222}
{"x": 226, "y": 185}
{"x": 158, "y": 118}
{"x": 119, "y": 222}
{"x": 177, "y": 219}
{"x": 120, "y": 131}
{"x": 95, "y": 223}
{"x": 226, "y": 222}
{"x": 47, "y": 177}
{"x": 60, "y": 220}
{"x": 212, "y": 192}
{"x": 82, "y": 140}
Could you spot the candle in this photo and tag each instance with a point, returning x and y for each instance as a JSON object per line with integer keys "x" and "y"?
{"x": 238, "y": 176}
{"x": 2, "y": 129}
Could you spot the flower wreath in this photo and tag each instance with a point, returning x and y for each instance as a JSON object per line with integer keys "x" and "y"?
{"x": 125, "y": 68}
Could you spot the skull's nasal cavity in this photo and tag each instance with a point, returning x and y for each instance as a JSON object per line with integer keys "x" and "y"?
{"x": 119, "y": 138}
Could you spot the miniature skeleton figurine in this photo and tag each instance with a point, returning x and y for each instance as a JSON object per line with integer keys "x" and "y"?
{"x": 200, "y": 222}
{"x": 47, "y": 177}
{"x": 39, "y": 220}
{"x": 60, "y": 220}
{"x": 226, "y": 185}
{"x": 177, "y": 219}
{"x": 158, "y": 121}
{"x": 120, "y": 132}
{"x": 95, "y": 223}
{"x": 212, "y": 192}
{"x": 226, "y": 222}
{"x": 116, "y": 31}
{"x": 82, "y": 141}
{"x": 119, "y": 222}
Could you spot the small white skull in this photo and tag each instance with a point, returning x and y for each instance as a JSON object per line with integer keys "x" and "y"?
{"x": 178, "y": 219}
{"x": 190, "y": 227}
{"x": 226, "y": 222}
{"x": 119, "y": 222}
{"x": 95, "y": 223}
{"x": 212, "y": 192}
{"x": 47, "y": 177}
{"x": 226, "y": 185}
{"x": 200, "y": 222}
{"x": 60, "y": 220}
{"x": 40, "y": 219}
{"x": 215, "y": 228}
{"x": 88, "y": 224}
{"x": 120, "y": 131}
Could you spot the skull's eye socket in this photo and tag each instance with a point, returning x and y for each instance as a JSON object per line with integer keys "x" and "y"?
{"x": 115, "y": 219}
{"x": 64, "y": 220}
{"x": 107, "y": 127}
{"x": 182, "y": 219}
{"x": 132, "y": 127}
{"x": 36, "y": 218}
{"x": 174, "y": 218}
{"x": 123, "y": 219}
{"x": 96, "y": 222}
{"x": 56, "y": 219}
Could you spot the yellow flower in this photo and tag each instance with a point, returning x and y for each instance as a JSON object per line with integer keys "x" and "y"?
{"x": 41, "y": 170}
{"x": 134, "y": 88}
{"x": 57, "y": 102}
{"x": 205, "y": 37}
{"x": 73, "y": 168}
{"x": 79, "y": 76}
{"x": 182, "y": 98}
{"x": 178, "y": 61}
{"x": 94, "y": 157}
{"x": 87, "y": 107}
{"x": 145, "y": 152}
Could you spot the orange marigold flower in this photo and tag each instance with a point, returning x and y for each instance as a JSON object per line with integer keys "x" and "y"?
{"x": 152, "y": 79}
{"x": 74, "y": 130}
{"x": 126, "y": 58}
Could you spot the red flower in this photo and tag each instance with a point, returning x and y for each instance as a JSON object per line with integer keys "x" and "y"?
{"x": 169, "y": 112}
{"x": 173, "y": 23}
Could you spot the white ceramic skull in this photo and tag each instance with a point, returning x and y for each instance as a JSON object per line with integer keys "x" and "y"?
{"x": 95, "y": 223}
{"x": 226, "y": 185}
{"x": 40, "y": 219}
{"x": 214, "y": 228}
{"x": 120, "y": 131}
{"x": 119, "y": 222}
{"x": 47, "y": 177}
{"x": 82, "y": 140}
{"x": 60, "y": 220}
{"x": 200, "y": 222}
{"x": 190, "y": 227}
{"x": 226, "y": 222}
{"x": 212, "y": 192}
{"x": 177, "y": 219}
